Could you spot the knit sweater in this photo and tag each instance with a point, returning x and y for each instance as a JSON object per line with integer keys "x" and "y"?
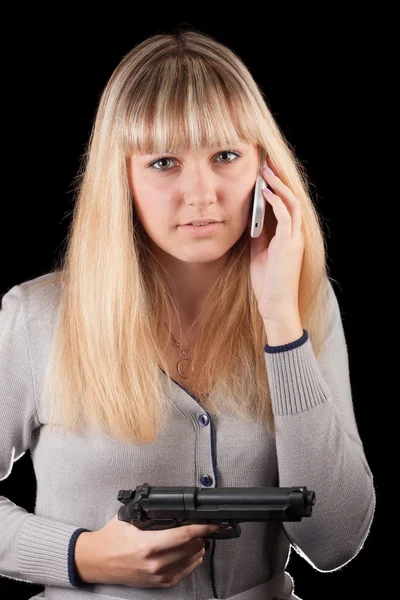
{"x": 317, "y": 445}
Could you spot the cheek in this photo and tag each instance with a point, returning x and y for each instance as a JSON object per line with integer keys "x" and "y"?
{"x": 242, "y": 203}
{"x": 147, "y": 202}
{"x": 247, "y": 202}
{"x": 155, "y": 215}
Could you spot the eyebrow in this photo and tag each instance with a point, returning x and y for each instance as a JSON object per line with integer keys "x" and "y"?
{"x": 216, "y": 149}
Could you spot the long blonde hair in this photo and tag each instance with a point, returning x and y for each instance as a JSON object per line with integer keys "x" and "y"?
{"x": 184, "y": 91}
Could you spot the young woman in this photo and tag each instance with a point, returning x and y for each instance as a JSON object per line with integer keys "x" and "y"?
{"x": 161, "y": 353}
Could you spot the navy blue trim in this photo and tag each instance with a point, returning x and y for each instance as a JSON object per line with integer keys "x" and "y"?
{"x": 286, "y": 347}
{"x": 215, "y": 468}
{"x": 74, "y": 578}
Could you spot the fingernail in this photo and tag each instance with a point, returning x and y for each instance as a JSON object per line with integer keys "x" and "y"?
{"x": 270, "y": 171}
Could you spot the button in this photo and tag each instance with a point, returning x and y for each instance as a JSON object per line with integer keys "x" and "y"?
{"x": 204, "y": 420}
{"x": 206, "y": 480}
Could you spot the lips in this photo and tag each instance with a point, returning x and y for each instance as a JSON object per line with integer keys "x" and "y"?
{"x": 198, "y": 222}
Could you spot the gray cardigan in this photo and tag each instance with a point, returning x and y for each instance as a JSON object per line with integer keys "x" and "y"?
{"x": 317, "y": 445}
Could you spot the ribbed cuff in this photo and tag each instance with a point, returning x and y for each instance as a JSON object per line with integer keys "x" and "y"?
{"x": 289, "y": 346}
{"x": 43, "y": 547}
{"x": 73, "y": 575}
{"x": 295, "y": 380}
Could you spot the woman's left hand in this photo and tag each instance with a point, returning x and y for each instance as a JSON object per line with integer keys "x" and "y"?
{"x": 275, "y": 266}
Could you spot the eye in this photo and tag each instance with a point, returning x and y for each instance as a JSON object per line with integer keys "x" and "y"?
{"x": 168, "y": 158}
{"x": 229, "y": 152}
{"x": 152, "y": 165}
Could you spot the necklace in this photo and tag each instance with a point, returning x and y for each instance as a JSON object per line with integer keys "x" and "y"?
{"x": 184, "y": 365}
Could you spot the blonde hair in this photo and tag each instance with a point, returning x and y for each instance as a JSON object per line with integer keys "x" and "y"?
{"x": 183, "y": 91}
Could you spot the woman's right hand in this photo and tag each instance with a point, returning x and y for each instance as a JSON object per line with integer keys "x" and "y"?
{"x": 122, "y": 554}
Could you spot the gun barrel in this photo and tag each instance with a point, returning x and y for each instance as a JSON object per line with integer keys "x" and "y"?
{"x": 290, "y": 503}
{"x": 250, "y": 496}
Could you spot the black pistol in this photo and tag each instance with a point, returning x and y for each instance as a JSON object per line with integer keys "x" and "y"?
{"x": 167, "y": 507}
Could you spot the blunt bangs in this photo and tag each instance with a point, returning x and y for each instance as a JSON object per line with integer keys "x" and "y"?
{"x": 186, "y": 106}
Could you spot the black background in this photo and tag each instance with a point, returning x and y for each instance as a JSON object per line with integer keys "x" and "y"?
{"x": 320, "y": 77}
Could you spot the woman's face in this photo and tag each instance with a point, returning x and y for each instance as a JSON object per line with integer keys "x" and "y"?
{"x": 170, "y": 190}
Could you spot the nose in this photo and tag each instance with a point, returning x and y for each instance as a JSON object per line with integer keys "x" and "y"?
{"x": 198, "y": 185}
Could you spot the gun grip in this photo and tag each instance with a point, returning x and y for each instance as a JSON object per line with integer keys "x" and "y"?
{"x": 231, "y": 532}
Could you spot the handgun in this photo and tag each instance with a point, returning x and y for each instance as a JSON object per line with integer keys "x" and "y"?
{"x": 158, "y": 508}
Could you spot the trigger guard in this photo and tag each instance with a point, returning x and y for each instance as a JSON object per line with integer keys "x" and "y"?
{"x": 231, "y": 532}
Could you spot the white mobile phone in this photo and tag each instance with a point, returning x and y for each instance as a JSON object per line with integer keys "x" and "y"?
{"x": 259, "y": 201}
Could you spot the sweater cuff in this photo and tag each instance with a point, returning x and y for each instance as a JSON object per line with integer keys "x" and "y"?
{"x": 44, "y": 548}
{"x": 73, "y": 574}
{"x": 295, "y": 380}
{"x": 290, "y": 346}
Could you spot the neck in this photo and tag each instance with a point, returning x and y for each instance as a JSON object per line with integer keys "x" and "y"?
{"x": 189, "y": 282}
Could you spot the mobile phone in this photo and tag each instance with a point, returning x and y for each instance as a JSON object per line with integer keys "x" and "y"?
{"x": 259, "y": 201}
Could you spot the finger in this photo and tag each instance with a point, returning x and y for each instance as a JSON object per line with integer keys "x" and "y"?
{"x": 178, "y": 536}
{"x": 283, "y": 217}
{"x": 288, "y": 197}
{"x": 296, "y": 218}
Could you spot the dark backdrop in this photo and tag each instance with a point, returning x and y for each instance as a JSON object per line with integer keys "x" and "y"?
{"x": 317, "y": 78}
